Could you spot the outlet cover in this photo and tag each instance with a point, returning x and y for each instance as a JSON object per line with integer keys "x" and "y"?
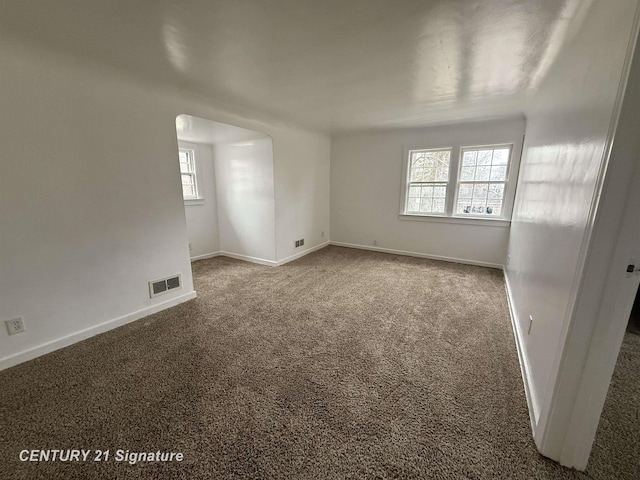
{"x": 15, "y": 325}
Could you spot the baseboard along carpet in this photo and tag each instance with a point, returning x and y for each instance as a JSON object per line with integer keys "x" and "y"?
{"x": 342, "y": 364}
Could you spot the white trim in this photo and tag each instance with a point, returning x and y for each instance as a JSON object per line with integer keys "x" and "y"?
{"x": 525, "y": 369}
{"x": 260, "y": 261}
{"x": 206, "y": 255}
{"x": 485, "y": 222}
{"x": 247, "y": 258}
{"x": 190, "y": 202}
{"x": 569, "y": 387}
{"x": 76, "y": 337}
{"x": 416, "y": 254}
{"x": 301, "y": 254}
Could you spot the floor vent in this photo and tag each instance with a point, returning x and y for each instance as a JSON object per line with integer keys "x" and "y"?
{"x": 158, "y": 287}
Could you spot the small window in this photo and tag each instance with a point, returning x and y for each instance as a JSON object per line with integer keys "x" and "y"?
{"x": 482, "y": 181}
{"x": 428, "y": 181}
{"x": 188, "y": 174}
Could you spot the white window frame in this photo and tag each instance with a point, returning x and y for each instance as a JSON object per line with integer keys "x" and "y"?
{"x": 192, "y": 150}
{"x": 455, "y": 164}
{"x": 409, "y": 182}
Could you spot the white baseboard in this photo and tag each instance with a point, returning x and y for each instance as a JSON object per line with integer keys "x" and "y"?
{"x": 206, "y": 255}
{"x": 75, "y": 337}
{"x": 416, "y": 254}
{"x": 260, "y": 261}
{"x": 525, "y": 369}
{"x": 247, "y": 258}
{"x": 302, "y": 254}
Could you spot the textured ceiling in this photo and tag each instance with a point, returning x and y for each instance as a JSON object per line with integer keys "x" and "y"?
{"x": 334, "y": 65}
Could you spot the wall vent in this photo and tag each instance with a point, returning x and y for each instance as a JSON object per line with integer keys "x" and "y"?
{"x": 164, "y": 285}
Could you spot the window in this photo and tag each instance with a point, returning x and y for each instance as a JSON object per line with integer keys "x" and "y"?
{"x": 482, "y": 181}
{"x": 428, "y": 180}
{"x": 459, "y": 182}
{"x": 188, "y": 174}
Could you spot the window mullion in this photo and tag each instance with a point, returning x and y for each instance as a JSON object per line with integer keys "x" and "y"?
{"x": 452, "y": 185}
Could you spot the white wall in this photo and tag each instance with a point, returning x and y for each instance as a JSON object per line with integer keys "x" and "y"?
{"x": 366, "y": 183}
{"x": 202, "y": 215}
{"x": 566, "y": 143}
{"x": 91, "y": 199}
{"x": 246, "y": 199}
{"x": 302, "y": 177}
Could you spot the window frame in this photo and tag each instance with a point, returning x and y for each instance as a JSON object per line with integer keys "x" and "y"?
{"x": 472, "y": 182}
{"x": 408, "y": 181}
{"x": 193, "y": 151}
{"x": 455, "y": 165}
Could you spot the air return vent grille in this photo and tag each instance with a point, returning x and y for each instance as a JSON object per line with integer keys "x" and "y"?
{"x": 164, "y": 285}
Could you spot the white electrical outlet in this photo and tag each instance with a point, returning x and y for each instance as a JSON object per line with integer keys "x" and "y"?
{"x": 375, "y": 242}
{"x": 15, "y": 325}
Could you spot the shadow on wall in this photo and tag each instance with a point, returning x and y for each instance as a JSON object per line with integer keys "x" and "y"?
{"x": 228, "y": 187}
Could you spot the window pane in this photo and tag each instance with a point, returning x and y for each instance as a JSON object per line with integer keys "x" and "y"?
{"x": 184, "y": 168}
{"x": 416, "y": 175}
{"x": 425, "y": 205}
{"x": 501, "y": 156}
{"x": 187, "y": 180}
{"x": 429, "y": 166}
{"x": 469, "y": 158}
{"x": 467, "y": 173}
{"x": 480, "y": 191}
{"x": 494, "y": 208}
{"x": 442, "y": 174}
{"x": 430, "y": 198}
{"x": 417, "y": 160}
{"x": 429, "y": 175}
{"x": 464, "y": 206}
{"x": 496, "y": 192}
{"x": 498, "y": 173}
{"x": 465, "y": 191}
{"x": 484, "y": 157}
{"x": 183, "y": 157}
{"x": 429, "y": 159}
{"x": 482, "y": 173}
{"x": 188, "y": 191}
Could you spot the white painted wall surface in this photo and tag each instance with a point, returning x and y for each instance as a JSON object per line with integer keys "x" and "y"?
{"x": 566, "y": 142}
{"x": 366, "y": 183}
{"x": 91, "y": 201}
{"x": 202, "y": 216}
{"x": 302, "y": 178}
{"x": 246, "y": 199}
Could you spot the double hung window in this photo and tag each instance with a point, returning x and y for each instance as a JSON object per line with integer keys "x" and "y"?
{"x": 459, "y": 182}
{"x": 188, "y": 174}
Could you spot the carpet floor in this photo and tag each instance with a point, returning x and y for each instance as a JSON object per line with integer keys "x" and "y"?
{"x": 616, "y": 450}
{"x": 342, "y": 364}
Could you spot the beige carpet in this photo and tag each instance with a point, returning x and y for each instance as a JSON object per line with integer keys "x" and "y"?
{"x": 343, "y": 364}
{"x": 616, "y": 450}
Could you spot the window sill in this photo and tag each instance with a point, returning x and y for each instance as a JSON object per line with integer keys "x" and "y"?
{"x": 194, "y": 201}
{"x": 486, "y": 222}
